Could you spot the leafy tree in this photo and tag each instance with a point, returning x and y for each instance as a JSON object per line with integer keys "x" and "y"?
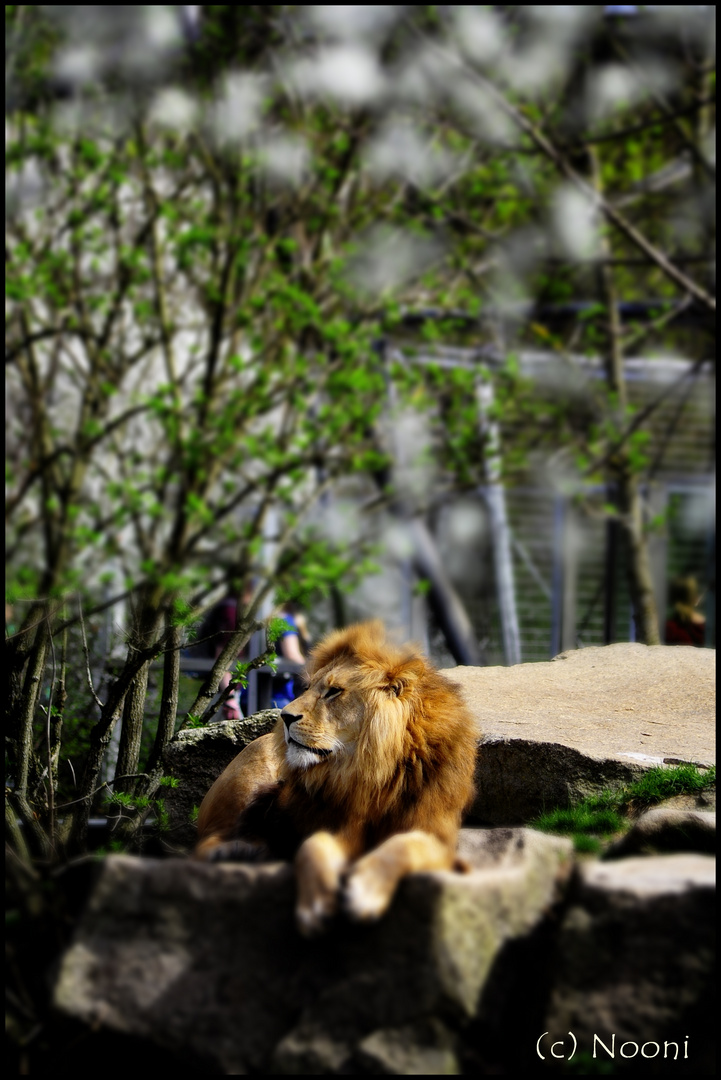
{"x": 207, "y": 245}
{"x": 622, "y": 112}
{"x": 185, "y": 387}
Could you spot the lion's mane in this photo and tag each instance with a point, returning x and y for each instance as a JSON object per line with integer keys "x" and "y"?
{"x": 413, "y": 761}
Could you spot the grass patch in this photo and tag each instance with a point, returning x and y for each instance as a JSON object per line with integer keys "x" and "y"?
{"x": 607, "y": 814}
{"x": 661, "y": 783}
{"x": 581, "y": 819}
{"x": 583, "y": 844}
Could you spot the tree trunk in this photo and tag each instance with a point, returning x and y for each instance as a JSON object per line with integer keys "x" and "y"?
{"x": 640, "y": 580}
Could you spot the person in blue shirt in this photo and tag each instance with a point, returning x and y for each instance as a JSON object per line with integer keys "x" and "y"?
{"x": 291, "y": 645}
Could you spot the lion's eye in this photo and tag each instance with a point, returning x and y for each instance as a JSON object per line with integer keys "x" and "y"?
{"x": 331, "y": 692}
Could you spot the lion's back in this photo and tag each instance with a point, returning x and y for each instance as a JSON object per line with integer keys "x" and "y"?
{"x": 444, "y": 739}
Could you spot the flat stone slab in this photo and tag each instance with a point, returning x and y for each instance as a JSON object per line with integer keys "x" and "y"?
{"x": 206, "y": 961}
{"x": 550, "y": 732}
{"x": 650, "y": 876}
{"x": 635, "y": 960}
{"x": 587, "y": 719}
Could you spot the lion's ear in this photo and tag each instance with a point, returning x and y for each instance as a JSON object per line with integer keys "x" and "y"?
{"x": 401, "y": 677}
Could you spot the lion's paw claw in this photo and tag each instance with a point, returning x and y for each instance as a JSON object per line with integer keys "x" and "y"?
{"x": 313, "y": 918}
{"x": 364, "y": 898}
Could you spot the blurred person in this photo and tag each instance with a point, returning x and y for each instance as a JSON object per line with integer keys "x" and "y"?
{"x": 222, "y": 620}
{"x": 291, "y": 645}
{"x": 685, "y": 625}
{"x": 295, "y": 643}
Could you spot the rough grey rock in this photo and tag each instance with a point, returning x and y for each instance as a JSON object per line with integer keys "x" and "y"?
{"x": 423, "y": 1049}
{"x": 703, "y": 801}
{"x": 171, "y": 951}
{"x": 196, "y": 757}
{"x": 552, "y": 732}
{"x": 665, "y": 829}
{"x": 591, "y": 718}
{"x": 205, "y": 961}
{"x": 635, "y": 955}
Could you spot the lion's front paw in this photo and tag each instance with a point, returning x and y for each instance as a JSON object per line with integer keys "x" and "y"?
{"x": 368, "y": 891}
{"x": 238, "y": 851}
{"x": 319, "y": 865}
{"x": 314, "y": 913}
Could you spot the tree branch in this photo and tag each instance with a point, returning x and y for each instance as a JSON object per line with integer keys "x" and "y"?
{"x": 596, "y": 198}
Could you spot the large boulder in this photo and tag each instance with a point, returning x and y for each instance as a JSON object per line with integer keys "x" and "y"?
{"x": 667, "y": 829}
{"x": 206, "y": 960}
{"x": 195, "y": 758}
{"x": 592, "y": 718}
{"x": 634, "y": 965}
{"x": 552, "y": 732}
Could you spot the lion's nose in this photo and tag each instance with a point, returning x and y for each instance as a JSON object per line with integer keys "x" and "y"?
{"x": 290, "y": 718}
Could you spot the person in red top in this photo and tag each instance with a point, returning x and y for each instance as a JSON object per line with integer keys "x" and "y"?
{"x": 685, "y": 625}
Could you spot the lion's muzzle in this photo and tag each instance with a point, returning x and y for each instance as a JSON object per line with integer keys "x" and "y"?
{"x": 289, "y": 718}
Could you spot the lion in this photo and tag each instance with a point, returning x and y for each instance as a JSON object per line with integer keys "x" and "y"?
{"x": 363, "y": 780}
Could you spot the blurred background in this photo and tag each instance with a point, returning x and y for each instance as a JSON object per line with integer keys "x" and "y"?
{"x": 326, "y": 313}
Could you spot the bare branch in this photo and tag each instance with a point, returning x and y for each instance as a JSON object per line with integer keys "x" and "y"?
{"x": 86, "y": 653}
{"x": 596, "y": 199}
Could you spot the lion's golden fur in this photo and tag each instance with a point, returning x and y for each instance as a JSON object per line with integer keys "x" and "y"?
{"x": 415, "y": 753}
{"x": 380, "y": 744}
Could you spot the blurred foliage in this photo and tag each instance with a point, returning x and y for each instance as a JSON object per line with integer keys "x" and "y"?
{"x": 236, "y": 252}
{"x": 239, "y": 252}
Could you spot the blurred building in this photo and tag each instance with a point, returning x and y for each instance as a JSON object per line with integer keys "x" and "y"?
{"x": 566, "y": 556}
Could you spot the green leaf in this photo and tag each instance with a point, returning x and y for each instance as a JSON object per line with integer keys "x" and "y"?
{"x": 275, "y": 628}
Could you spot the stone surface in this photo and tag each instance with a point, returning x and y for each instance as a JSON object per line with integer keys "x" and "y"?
{"x": 206, "y": 960}
{"x": 423, "y": 1049}
{"x": 554, "y": 731}
{"x": 635, "y": 955}
{"x": 703, "y": 801}
{"x": 589, "y": 719}
{"x": 667, "y": 829}
{"x": 196, "y": 757}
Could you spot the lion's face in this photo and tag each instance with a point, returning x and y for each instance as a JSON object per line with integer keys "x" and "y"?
{"x": 325, "y": 722}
